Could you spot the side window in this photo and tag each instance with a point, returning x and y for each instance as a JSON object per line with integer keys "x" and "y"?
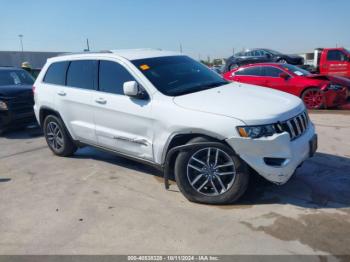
{"x": 250, "y": 71}
{"x": 270, "y": 71}
{"x": 56, "y": 73}
{"x": 81, "y": 74}
{"x": 336, "y": 55}
{"x": 112, "y": 76}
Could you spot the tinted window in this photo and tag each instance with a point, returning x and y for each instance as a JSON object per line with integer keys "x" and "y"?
{"x": 81, "y": 74}
{"x": 15, "y": 77}
{"x": 335, "y": 55}
{"x": 112, "y": 76}
{"x": 250, "y": 71}
{"x": 178, "y": 75}
{"x": 56, "y": 74}
{"x": 272, "y": 71}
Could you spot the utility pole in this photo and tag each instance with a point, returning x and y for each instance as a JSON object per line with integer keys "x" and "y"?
{"x": 22, "y": 49}
{"x": 87, "y": 45}
{"x": 21, "y": 41}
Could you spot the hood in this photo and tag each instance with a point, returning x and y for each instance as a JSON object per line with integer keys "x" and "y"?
{"x": 251, "y": 104}
{"x": 15, "y": 90}
{"x": 339, "y": 80}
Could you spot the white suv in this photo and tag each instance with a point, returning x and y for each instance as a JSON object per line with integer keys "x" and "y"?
{"x": 167, "y": 110}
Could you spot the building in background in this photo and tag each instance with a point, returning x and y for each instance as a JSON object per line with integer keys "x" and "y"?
{"x": 16, "y": 58}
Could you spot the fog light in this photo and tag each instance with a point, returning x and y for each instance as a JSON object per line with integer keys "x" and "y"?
{"x": 272, "y": 161}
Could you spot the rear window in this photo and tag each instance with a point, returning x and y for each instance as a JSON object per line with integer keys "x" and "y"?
{"x": 81, "y": 74}
{"x": 56, "y": 74}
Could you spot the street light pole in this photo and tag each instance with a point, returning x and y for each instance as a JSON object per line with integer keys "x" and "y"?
{"x": 21, "y": 41}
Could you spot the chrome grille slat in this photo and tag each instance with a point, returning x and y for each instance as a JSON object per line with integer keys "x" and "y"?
{"x": 300, "y": 118}
{"x": 291, "y": 128}
{"x": 295, "y": 120}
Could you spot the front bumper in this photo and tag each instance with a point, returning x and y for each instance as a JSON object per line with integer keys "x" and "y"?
{"x": 335, "y": 97}
{"x": 10, "y": 120}
{"x": 254, "y": 151}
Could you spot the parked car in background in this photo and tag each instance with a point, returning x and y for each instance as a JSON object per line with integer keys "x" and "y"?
{"x": 332, "y": 61}
{"x": 317, "y": 91}
{"x": 170, "y": 111}
{"x": 272, "y": 56}
{"x": 16, "y": 98}
{"x": 260, "y": 55}
{"x": 234, "y": 62}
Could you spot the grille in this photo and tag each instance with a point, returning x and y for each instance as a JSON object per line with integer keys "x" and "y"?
{"x": 296, "y": 126}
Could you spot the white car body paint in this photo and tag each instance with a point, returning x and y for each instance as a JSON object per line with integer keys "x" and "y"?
{"x": 144, "y": 128}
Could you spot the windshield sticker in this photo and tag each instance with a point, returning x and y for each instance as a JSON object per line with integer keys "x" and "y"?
{"x": 144, "y": 67}
{"x": 298, "y": 73}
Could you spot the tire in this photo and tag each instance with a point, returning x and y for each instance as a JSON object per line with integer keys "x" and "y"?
{"x": 313, "y": 98}
{"x": 211, "y": 194}
{"x": 57, "y": 137}
{"x": 282, "y": 61}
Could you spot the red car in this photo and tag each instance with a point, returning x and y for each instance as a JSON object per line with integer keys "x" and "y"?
{"x": 317, "y": 91}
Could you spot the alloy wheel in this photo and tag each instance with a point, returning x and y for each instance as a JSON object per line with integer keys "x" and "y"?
{"x": 313, "y": 99}
{"x": 54, "y": 136}
{"x": 211, "y": 171}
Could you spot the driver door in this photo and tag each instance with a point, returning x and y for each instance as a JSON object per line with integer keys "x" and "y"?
{"x": 123, "y": 124}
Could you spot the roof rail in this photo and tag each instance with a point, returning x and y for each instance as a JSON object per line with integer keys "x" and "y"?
{"x": 86, "y": 52}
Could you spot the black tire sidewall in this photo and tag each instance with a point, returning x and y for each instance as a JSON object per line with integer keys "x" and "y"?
{"x": 235, "y": 192}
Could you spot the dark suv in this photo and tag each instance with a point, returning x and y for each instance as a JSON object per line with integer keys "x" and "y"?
{"x": 16, "y": 98}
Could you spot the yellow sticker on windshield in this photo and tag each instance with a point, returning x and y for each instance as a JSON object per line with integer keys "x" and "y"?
{"x": 144, "y": 67}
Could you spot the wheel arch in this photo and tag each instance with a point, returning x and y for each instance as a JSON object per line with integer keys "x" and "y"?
{"x": 179, "y": 140}
{"x": 45, "y": 111}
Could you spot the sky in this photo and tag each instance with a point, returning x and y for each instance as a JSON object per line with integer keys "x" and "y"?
{"x": 203, "y": 27}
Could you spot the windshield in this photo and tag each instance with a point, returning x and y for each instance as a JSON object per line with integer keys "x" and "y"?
{"x": 296, "y": 70}
{"x": 178, "y": 75}
{"x": 15, "y": 77}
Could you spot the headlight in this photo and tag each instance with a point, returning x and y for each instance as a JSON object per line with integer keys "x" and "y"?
{"x": 3, "y": 105}
{"x": 257, "y": 131}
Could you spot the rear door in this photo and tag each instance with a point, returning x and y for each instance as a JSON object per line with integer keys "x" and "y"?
{"x": 336, "y": 63}
{"x": 74, "y": 101}
{"x": 123, "y": 124}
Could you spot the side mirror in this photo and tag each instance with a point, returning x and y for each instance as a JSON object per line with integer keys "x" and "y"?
{"x": 285, "y": 76}
{"x": 132, "y": 89}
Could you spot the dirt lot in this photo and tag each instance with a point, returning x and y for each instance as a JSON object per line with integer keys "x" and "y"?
{"x": 97, "y": 203}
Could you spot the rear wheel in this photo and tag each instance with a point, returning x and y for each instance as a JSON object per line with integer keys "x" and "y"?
{"x": 57, "y": 137}
{"x": 313, "y": 98}
{"x": 211, "y": 175}
{"x": 282, "y": 61}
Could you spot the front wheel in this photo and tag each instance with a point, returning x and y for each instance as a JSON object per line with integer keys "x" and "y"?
{"x": 211, "y": 175}
{"x": 313, "y": 98}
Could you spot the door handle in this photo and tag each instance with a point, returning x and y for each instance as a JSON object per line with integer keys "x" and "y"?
{"x": 61, "y": 93}
{"x": 101, "y": 101}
